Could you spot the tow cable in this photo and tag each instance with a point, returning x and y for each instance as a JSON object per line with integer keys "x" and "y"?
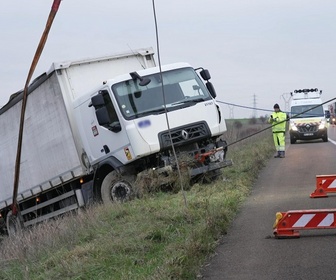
{"x": 38, "y": 53}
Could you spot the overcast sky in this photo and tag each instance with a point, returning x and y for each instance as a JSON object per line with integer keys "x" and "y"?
{"x": 257, "y": 51}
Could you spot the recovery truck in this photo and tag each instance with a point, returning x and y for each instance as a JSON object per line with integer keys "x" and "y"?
{"x": 93, "y": 126}
{"x": 307, "y": 118}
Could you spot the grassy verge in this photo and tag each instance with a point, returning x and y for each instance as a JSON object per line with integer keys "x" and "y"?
{"x": 156, "y": 237}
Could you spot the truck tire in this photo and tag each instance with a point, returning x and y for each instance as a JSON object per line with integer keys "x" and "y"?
{"x": 13, "y": 224}
{"x": 116, "y": 188}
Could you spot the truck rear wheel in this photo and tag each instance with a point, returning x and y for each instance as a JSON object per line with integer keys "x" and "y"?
{"x": 116, "y": 188}
{"x": 13, "y": 224}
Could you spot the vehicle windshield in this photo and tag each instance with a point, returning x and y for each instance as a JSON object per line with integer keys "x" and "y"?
{"x": 181, "y": 87}
{"x": 307, "y": 111}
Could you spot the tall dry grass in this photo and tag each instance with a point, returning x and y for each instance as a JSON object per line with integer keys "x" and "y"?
{"x": 155, "y": 237}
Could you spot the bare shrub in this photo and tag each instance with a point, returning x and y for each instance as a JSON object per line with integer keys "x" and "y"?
{"x": 54, "y": 233}
{"x": 152, "y": 181}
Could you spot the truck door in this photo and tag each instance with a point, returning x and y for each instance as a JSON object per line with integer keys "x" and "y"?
{"x": 106, "y": 134}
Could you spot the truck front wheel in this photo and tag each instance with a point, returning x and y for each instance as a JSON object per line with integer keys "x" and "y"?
{"x": 116, "y": 188}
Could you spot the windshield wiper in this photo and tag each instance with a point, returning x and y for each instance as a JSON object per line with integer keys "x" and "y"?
{"x": 188, "y": 101}
{"x": 151, "y": 112}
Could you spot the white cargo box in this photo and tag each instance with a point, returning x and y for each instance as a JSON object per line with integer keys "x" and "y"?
{"x": 51, "y": 153}
{"x": 48, "y": 149}
{"x": 81, "y": 76}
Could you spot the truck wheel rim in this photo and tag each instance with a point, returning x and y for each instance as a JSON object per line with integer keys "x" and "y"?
{"x": 120, "y": 191}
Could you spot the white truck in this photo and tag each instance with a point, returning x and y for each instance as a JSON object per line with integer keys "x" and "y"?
{"x": 92, "y": 126}
{"x": 307, "y": 119}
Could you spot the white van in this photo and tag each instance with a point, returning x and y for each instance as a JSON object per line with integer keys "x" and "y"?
{"x": 307, "y": 117}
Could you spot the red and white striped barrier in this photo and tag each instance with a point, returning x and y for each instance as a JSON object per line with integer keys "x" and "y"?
{"x": 324, "y": 184}
{"x": 288, "y": 224}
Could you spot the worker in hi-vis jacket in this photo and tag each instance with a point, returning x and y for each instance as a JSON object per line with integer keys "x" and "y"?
{"x": 278, "y": 120}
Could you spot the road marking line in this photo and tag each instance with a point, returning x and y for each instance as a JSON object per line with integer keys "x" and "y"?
{"x": 332, "y": 141}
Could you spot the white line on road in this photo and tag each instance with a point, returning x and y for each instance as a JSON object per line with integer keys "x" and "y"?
{"x": 332, "y": 141}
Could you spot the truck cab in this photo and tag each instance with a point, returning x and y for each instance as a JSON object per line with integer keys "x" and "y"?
{"x": 307, "y": 117}
{"x": 133, "y": 120}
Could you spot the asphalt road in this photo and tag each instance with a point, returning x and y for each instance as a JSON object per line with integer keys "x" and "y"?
{"x": 250, "y": 251}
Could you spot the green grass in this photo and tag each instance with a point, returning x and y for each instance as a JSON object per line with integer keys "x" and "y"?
{"x": 155, "y": 237}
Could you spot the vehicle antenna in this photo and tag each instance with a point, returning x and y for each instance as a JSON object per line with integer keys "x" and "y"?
{"x": 164, "y": 102}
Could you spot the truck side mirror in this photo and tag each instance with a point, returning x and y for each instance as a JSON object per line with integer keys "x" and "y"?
{"x": 97, "y": 101}
{"x": 211, "y": 89}
{"x": 104, "y": 120}
{"x": 103, "y": 116}
{"x": 205, "y": 74}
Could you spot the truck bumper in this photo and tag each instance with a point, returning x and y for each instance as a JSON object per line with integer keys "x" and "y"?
{"x": 210, "y": 167}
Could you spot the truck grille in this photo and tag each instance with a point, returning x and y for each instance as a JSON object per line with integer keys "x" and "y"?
{"x": 184, "y": 134}
{"x": 308, "y": 127}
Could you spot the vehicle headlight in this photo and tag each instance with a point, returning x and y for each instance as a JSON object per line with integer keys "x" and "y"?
{"x": 322, "y": 125}
{"x": 293, "y": 126}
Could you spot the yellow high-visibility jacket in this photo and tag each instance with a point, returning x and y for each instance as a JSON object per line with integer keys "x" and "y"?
{"x": 278, "y": 121}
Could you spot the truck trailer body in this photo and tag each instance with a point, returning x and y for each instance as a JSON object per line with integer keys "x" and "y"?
{"x": 92, "y": 127}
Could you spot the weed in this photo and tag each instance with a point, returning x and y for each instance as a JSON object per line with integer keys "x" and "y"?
{"x": 155, "y": 237}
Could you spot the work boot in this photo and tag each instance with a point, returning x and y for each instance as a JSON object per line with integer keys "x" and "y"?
{"x": 277, "y": 155}
{"x": 282, "y": 154}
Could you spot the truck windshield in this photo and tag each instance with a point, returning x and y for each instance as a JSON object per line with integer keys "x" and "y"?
{"x": 307, "y": 111}
{"x": 181, "y": 88}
